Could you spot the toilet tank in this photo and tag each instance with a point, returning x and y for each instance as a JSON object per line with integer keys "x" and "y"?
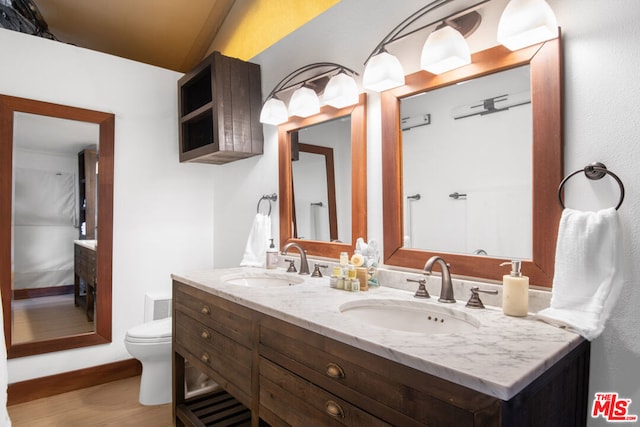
{"x": 157, "y": 306}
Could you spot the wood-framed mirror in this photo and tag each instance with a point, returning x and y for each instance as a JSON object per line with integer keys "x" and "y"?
{"x": 41, "y": 144}
{"x": 353, "y": 205}
{"x": 545, "y": 68}
{"x": 313, "y": 170}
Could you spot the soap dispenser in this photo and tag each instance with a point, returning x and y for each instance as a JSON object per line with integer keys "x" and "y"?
{"x": 515, "y": 291}
{"x": 272, "y": 256}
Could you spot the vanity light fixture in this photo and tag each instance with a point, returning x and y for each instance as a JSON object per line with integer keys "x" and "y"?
{"x": 340, "y": 91}
{"x": 304, "y": 102}
{"x": 526, "y": 22}
{"x": 444, "y": 50}
{"x": 523, "y": 23}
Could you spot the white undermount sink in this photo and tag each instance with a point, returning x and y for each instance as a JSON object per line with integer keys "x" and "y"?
{"x": 410, "y": 316}
{"x": 262, "y": 280}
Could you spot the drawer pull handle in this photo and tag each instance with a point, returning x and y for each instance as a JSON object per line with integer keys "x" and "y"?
{"x": 204, "y": 357}
{"x": 205, "y": 310}
{"x": 333, "y": 409}
{"x": 335, "y": 371}
{"x": 205, "y": 335}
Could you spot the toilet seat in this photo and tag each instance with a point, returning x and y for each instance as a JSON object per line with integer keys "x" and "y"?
{"x": 156, "y": 331}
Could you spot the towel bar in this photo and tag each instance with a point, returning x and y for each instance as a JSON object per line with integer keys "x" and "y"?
{"x": 269, "y": 198}
{"x": 594, "y": 171}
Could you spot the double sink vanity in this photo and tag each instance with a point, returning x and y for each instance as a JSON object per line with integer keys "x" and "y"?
{"x": 287, "y": 349}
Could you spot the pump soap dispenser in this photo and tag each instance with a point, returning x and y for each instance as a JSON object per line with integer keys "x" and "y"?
{"x": 272, "y": 256}
{"x": 515, "y": 291}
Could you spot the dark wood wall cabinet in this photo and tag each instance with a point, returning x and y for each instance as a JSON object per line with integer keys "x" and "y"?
{"x": 219, "y": 104}
{"x": 275, "y": 373}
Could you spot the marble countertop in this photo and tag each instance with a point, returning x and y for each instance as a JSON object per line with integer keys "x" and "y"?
{"x": 500, "y": 358}
{"x": 90, "y": 244}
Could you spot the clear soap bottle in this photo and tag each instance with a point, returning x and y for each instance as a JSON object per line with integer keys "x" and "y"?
{"x": 515, "y": 291}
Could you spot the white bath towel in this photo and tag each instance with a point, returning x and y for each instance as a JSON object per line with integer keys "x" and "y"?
{"x": 256, "y": 249}
{"x": 589, "y": 271}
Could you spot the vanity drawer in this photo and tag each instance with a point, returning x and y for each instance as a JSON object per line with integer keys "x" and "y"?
{"x": 300, "y": 403}
{"x": 227, "y": 318}
{"x": 227, "y": 362}
{"x": 387, "y": 389}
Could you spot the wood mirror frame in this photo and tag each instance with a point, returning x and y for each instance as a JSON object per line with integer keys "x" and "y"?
{"x": 358, "y": 178}
{"x": 545, "y": 62}
{"x": 102, "y": 332}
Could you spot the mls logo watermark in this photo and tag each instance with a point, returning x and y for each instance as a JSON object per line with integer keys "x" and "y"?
{"x": 612, "y": 408}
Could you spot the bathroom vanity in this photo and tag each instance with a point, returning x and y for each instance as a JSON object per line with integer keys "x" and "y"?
{"x": 284, "y": 352}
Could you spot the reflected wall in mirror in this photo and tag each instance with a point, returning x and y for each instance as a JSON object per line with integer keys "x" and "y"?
{"x": 321, "y": 156}
{"x": 545, "y": 75}
{"x": 340, "y": 132}
{"x": 56, "y": 225}
{"x": 466, "y": 152}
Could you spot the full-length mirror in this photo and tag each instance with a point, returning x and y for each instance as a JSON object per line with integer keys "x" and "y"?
{"x": 322, "y": 162}
{"x": 56, "y": 225}
{"x": 473, "y": 163}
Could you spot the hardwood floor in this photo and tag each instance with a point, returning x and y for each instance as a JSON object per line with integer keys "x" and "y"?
{"x": 36, "y": 319}
{"x": 112, "y": 404}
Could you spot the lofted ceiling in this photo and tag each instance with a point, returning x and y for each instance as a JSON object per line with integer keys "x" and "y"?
{"x": 172, "y": 34}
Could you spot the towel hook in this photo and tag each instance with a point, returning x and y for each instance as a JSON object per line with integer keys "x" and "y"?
{"x": 594, "y": 171}
{"x": 269, "y": 198}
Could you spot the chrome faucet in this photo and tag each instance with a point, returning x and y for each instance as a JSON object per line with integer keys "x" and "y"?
{"x": 446, "y": 291}
{"x": 304, "y": 265}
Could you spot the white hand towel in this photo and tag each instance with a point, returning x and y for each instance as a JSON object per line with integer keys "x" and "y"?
{"x": 589, "y": 271}
{"x": 256, "y": 249}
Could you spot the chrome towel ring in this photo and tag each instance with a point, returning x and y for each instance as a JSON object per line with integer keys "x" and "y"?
{"x": 269, "y": 198}
{"x": 594, "y": 171}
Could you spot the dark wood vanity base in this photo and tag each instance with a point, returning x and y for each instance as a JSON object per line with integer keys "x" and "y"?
{"x": 285, "y": 375}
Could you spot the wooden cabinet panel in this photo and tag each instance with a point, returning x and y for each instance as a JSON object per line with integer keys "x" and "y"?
{"x": 219, "y": 111}
{"x": 399, "y": 394}
{"x": 226, "y": 361}
{"x": 299, "y": 402}
{"x": 228, "y": 319}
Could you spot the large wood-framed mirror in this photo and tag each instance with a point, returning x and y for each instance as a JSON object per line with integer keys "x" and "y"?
{"x": 545, "y": 73}
{"x": 351, "y": 178}
{"x": 56, "y": 184}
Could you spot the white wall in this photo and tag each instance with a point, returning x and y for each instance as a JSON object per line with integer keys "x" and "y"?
{"x": 602, "y": 98}
{"x": 163, "y": 210}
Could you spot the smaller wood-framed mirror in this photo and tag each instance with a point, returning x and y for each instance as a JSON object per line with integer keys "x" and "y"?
{"x": 356, "y": 210}
{"x": 544, "y": 61}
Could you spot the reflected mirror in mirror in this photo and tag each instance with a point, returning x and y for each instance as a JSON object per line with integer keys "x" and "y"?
{"x": 467, "y": 157}
{"x": 54, "y": 226}
{"x": 321, "y": 172}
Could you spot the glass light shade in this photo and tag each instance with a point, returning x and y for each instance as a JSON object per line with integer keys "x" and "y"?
{"x": 444, "y": 50}
{"x": 383, "y": 72}
{"x": 526, "y": 22}
{"x": 274, "y": 112}
{"x": 304, "y": 103}
{"x": 341, "y": 91}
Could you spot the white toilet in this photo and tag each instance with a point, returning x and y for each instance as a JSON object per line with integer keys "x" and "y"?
{"x": 150, "y": 343}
